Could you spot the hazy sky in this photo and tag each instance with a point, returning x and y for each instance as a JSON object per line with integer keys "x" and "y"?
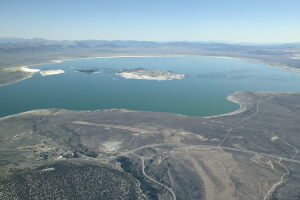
{"x": 160, "y": 20}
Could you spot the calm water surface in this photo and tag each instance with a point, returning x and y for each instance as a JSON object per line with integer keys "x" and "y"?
{"x": 202, "y": 92}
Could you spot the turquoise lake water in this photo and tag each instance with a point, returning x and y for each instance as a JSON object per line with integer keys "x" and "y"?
{"x": 202, "y": 92}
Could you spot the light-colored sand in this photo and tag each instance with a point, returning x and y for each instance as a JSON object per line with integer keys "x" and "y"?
{"x": 57, "y": 61}
{"x": 26, "y": 69}
{"x": 274, "y": 138}
{"x": 22, "y": 69}
{"x": 233, "y": 99}
{"x": 29, "y": 73}
{"x": 149, "y": 75}
{"x": 51, "y": 72}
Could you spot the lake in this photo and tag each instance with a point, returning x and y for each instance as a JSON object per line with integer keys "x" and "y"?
{"x": 202, "y": 92}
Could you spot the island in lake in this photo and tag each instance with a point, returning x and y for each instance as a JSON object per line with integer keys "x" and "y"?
{"x": 251, "y": 153}
{"x": 51, "y": 72}
{"x": 141, "y": 73}
{"x": 89, "y": 71}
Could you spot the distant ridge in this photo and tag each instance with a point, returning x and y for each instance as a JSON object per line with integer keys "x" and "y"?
{"x": 139, "y": 42}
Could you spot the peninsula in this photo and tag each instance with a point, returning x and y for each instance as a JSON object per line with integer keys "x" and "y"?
{"x": 149, "y": 155}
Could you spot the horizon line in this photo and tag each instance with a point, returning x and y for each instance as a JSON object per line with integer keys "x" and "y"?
{"x": 157, "y": 41}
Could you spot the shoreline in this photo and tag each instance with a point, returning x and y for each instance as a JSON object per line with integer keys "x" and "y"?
{"x": 51, "y": 72}
{"x": 233, "y": 97}
{"x": 230, "y": 97}
{"x": 22, "y": 69}
{"x": 143, "y": 74}
{"x": 269, "y": 63}
{"x": 36, "y": 111}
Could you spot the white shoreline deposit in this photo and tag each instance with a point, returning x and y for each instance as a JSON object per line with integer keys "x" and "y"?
{"x": 51, "y": 72}
{"x": 26, "y": 69}
{"x": 233, "y": 99}
{"x": 29, "y": 73}
{"x": 149, "y": 74}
